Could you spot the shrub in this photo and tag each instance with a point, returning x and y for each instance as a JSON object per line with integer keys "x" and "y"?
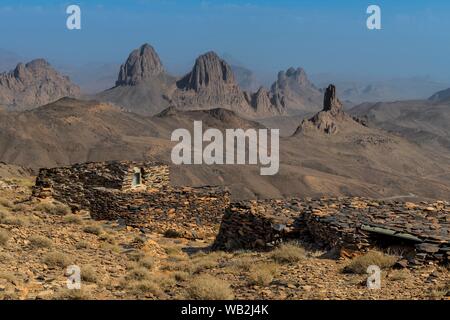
{"x": 4, "y": 236}
{"x": 243, "y": 264}
{"x": 82, "y": 244}
{"x": 288, "y": 253}
{"x": 206, "y": 287}
{"x": 360, "y": 264}
{"x": 6, "y": 203}
{"x": 93, "y": 229}
{"x": 262, "y": 274}
{"x": 54, "y": 208}
{"x": 72, "y": 218}
{"x": 6, "y": 218}
{"x": 139, "y": 274}
{"x": 57, "y": 259}
{"x": 67, "y": 294}
{"x": 171, "y": 233}
{"x": 147, "y": 286}
{"x": 40, "y": 242}
{"x": 89, "y": 274}
{"x": 181, "y": 275}
{"x": 147, "y": 262}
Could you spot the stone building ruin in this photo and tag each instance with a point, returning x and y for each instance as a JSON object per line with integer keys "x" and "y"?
{"x": 141, "y": 195}
{"x": 138, "y": 193}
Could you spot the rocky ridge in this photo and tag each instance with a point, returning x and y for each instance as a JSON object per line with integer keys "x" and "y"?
{"x": 34, "y": 84}
{"x": 296, "y": 91}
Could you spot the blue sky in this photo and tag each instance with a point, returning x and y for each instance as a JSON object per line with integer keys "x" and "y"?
{"x": 266, "y": 35}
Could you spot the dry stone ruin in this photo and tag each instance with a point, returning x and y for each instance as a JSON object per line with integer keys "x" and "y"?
{"x": 140, "y": 194}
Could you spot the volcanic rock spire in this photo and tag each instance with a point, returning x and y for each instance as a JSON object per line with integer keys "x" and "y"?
{"x": 142, "y": 64}
{"x": 331, "y": 102}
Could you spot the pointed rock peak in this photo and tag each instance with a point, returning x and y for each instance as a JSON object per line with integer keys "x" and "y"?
{"x": 209, "y": 69}
{"x": 297, "y": 75}
{"x": 143, "y": 63}
{"x": 37, "y": 64}
{"x": 330, "y": 101}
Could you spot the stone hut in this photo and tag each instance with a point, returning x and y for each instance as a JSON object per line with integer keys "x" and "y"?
{"x": 138, "y": 193}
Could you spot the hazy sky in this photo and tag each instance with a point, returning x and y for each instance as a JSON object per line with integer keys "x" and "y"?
{"x": 267, "y": 36}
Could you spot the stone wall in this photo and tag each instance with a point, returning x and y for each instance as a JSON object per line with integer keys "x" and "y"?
{"x": 190, "y": 212}
{"x": 348, "y": 225}
{"x": 258, "y": 224}
{"x": 69, "y": 184}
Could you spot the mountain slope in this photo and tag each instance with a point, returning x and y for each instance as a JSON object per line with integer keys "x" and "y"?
{"x": 351, "y": 160}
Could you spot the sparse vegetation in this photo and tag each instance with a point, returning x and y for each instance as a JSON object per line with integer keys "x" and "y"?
{"x": 360, "y": 264}
{"x": 171, "y": 233}
{"x": 40, "y": 242}
{"x": 288, "y": 253}
{"x": 82, "y": 245}
{"x": 4, "y": 237}
{"x": 57, "y": 259}
{"x": 147, "y": 262}
{"x": 89, "y": 274}
{"x": 207, "y": 287}
{"x": 6, "y": 203}
{"x": 145, "y": 287}
{"x": 74, "y": 294}
{"x": 93, "y": 229}
{"x": 262, "y": 274}
{"x": 8, "y": 276}
{"x": 73, "y": 218}
{"x": 139, "y": 274}
{"x": 54, "y": 208}
{"x": 13, "y": 220}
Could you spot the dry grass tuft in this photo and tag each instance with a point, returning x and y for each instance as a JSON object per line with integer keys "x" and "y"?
{"x": 206, "y": 287}
{"x": 40, "y": 242}
{"x": 4, "y": 237}
{"x": 53, "y": 208}
{"x": 13, "y": 220}
{"x": 72, "y": 218}
{"x": 74, "y": 294}
{"x": 288, "y": 253}
{"x": 360, "y": 264}
{"x": 262, "y": 274}
{"x": 93, "y": 229}
{"x": 89, "y": 274}
{"x": 57, "y": 259}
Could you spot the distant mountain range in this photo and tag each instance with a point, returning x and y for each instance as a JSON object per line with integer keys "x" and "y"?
{"x": 332, "y": 153}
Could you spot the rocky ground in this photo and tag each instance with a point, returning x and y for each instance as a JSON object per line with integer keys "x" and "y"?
{"x": 38, "y": 240}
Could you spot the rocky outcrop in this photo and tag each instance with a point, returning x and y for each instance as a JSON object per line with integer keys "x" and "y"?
{"x": 297, "y": 92}
{"x": 331, "y": 118}
{"x": 265, "y": 103}
{"x": 142, "y": 64}
{"x": 34, "y": 84}
{"x": 212, "y": 84}
{"x": 331, "y": 102}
